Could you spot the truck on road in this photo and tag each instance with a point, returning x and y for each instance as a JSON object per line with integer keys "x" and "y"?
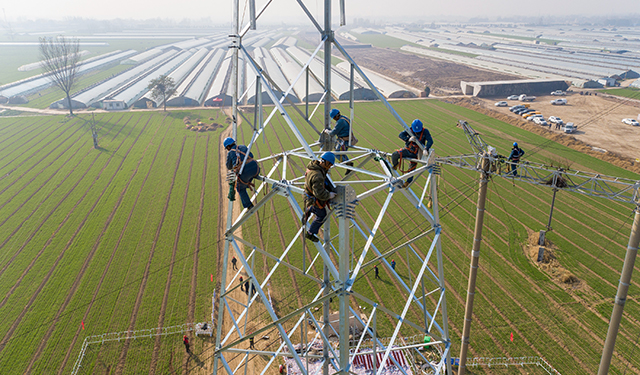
{"x": 525, "y": 98}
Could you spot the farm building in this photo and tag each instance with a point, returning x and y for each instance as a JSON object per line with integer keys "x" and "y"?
{"x": 629, "y": 74}
{"x": 505, "y": 88}
{"x": 110, "y": 104}
{"x": 607, "y": 81}
{"x": 635, "y": 83}
{"x": 588, "y": 84}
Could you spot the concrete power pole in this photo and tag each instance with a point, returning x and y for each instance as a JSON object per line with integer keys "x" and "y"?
{"x": 621, "y": 296}
{"x": 475, "y": 259}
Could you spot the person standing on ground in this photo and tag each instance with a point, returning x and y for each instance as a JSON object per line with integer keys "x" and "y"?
{"x": 235, "y": 157}
{"x": 234, "y": 261}
{"x": 420, "y": 136}
{"x": 375, "y": 269}
{"x": 318, "y": 192}
{"x": 393, "y": 264}
{"x": 251, "y": 343}
{"x": 514, "y": 158}
{"x": 241, "y": 284}
{"x": 342, "y": 131}
{"x": 185, "y": 341}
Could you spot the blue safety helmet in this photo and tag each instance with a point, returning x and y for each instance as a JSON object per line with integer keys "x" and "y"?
{"x": 416, "y": 126}
{"x": 334, "y": 112}
{"x": 329, "y": 156}
{"x": 515, "y": 144}
{"x": 228, "y": 142}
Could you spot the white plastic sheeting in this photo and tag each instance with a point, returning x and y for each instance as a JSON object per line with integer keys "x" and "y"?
{"x": 40, "y": 82}
{"x": 217, "y": 94}
{"x": 177, "y": 75}
{"x": 273, "y": 70}
{"x": 339, "y": 84}
{"x": 387, "y": 88}
{"x": 291, "y": 69}
{"x": 132, "y": 93}
{"x": 98, "y": 92}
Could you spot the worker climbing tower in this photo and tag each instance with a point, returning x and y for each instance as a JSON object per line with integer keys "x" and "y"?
{"x": 336, "y": 321}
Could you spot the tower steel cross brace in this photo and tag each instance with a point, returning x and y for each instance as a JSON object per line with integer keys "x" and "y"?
{"x": 350, "y": 246}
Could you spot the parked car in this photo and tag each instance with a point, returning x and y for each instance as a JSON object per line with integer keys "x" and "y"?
{"x": 558, "y": 93}
{"x": 559, "y": 101}
{"x": 569, "y": 127}
{"x": 529, "y": 114}
{"x": 535, "y": 116}
{"x": 540, "y": 121}
{"x": 516, "y": 107}
{"x": 513, "y": 97}
{"x": 555, "y": 120}
{"x": 502, "y": 104}
{"x": 522, "y": 110}
{"x": 630, "y": 121}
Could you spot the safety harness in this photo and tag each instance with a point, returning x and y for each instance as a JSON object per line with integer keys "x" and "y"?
{"x": 517, "y": 155}
{"x": 238, "y": 165}
{"x": 345, "y": 140}
{"x": 413, "y": 148}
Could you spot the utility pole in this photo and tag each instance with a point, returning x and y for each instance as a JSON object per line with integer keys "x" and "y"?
{"x": 621, "y": 296}
{"x": 475, "y": 259}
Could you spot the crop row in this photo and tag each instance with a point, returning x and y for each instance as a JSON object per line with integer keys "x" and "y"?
{"x": 96, "y": 227}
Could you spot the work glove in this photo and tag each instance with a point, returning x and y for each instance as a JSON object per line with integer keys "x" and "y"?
{"x": 413, "y": 139}
{"x": 332, "y": 195}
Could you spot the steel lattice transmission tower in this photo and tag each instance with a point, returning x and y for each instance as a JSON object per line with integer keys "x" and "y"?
{"x": 350, "y": 246}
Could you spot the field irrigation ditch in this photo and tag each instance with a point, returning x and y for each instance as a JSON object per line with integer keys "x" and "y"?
{"x": 126, "y": 237}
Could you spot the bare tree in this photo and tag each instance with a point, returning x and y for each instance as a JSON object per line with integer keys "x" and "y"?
{"x": 162, "y": 88}
{"x": 61, "y": 61}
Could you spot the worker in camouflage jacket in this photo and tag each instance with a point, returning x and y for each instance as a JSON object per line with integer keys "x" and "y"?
{"x": 318, "y": 192}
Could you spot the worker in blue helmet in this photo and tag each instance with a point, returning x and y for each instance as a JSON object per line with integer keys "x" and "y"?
{"x": 342, "y": 131}
{"x": 318, "y": 191}
{"x": 514, "y": 158}
{"x": 235, "y": 156}
{"x": 418, "y": 135}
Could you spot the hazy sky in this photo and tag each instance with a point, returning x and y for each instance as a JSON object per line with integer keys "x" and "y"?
{"x": 288, "y": 11}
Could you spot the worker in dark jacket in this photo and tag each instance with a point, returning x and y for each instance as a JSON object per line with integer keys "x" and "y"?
{"x": 342, "y": 131}
{"x": 411, "y": 147}
{"x": 244, "y": 180}
{"x": 514, "y": 158}
{"x": 318, "y": 192}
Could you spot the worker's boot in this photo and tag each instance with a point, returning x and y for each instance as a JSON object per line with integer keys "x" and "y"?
{"x": 232, "y": 192}
{"x": 311, "y": 237}
{"x": 349, "y": 170}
